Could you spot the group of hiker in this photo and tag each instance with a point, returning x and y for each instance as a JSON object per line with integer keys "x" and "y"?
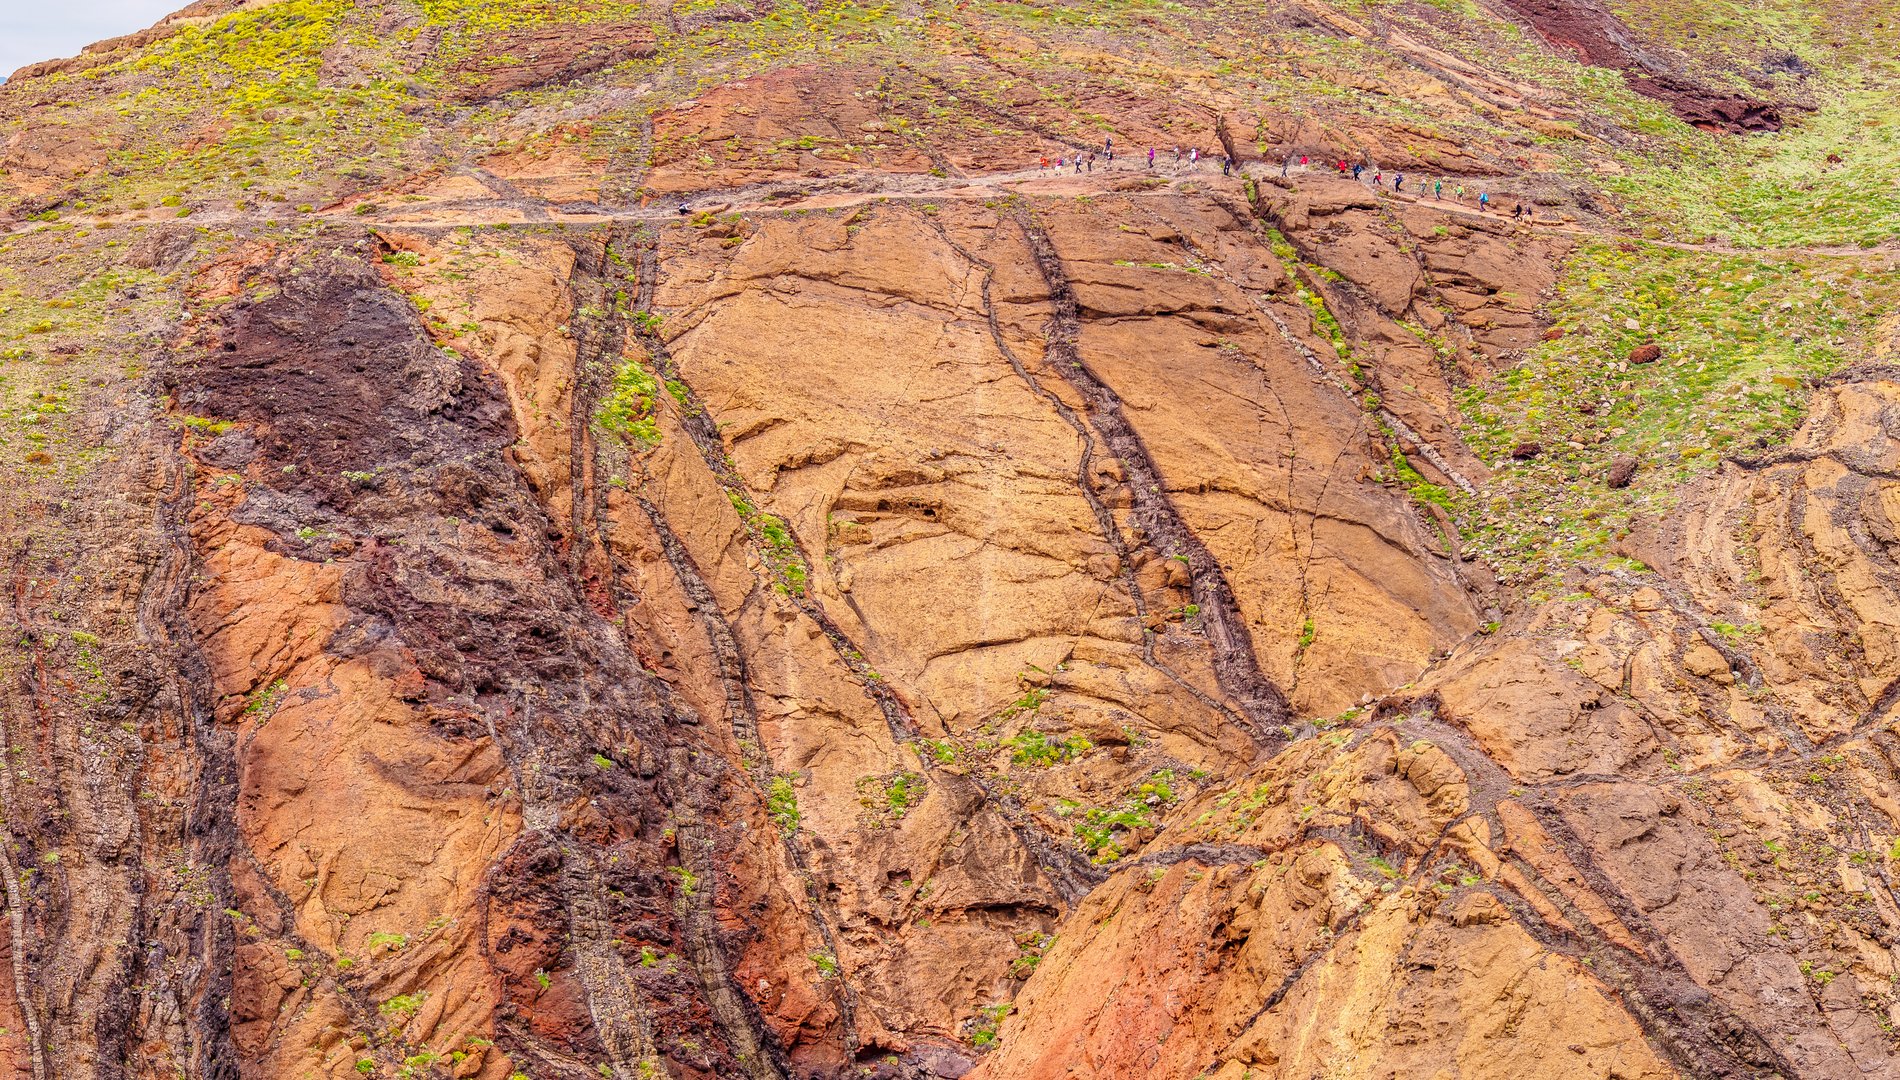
{"x": 1436, "y": 187}
{"x": 1084, "y": 161}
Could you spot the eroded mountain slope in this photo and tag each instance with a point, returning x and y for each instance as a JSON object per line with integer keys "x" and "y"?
{"x": 907, "y": 612}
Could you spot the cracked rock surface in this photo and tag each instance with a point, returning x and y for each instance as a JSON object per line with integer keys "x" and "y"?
{"x": 913, "y": 614}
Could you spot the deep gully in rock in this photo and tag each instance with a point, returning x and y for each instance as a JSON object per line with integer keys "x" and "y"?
{"x": 738, "y": 1015}
{"x": 211, "y": 828}
{"x": 741, "y": 712}
{"x": 1104, "y": 518}
{"x": 1235, "y": 665}
{"x": 1696, "y": 1034}
{"x": 745, "y": 729}
{"x": 20, "y": 945}
{"x": 1694, "y": 1027}
{"x": 1066, "y": 868}
{"x": 1313, "y": 282}
{"x": 1280, "y": 327}
{"x": 699, "y": 426}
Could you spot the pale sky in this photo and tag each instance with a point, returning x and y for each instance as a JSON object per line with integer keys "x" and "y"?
{"x": 34, "y": 30}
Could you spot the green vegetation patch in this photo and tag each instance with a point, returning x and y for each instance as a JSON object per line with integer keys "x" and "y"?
{"x": 781, "y": 804}
{"x": 1742, "y": 339}
{"x": 627, "y": 410}
{"x": 1038, "y": 749}
{"x": 1103, "y": 831}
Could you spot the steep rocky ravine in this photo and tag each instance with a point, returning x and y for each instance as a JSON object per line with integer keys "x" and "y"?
{"x": 690, "y": 553}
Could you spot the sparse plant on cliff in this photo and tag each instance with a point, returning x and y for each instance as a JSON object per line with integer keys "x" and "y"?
{"x": 778, "y": 546}
{"x": 1030, "y": 702}
{"x": 1033, "y": 945}
{"x": 1035, "y": 748}
{"x": 1103, "y": 831}
{"x": 627, "y": 411}
{"x": 205, "y": 425}
{"x": 889, "y": 798}
{"x": 403, "y": 1006}
{"x": 1308, "y": 632}
{"x": 384, "y": 938}
{"x": 983, "y": 1033}
{"x": 904, "y": 790}
{"x": 265, "y": 701}
{"x": 781, "y": 804}
{"x": 689, "y": 881}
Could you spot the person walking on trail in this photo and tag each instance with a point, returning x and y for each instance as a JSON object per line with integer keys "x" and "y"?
{"x": 1460, "y": 193}
{"x": 1438, "y": 189}
{"x": 1378, "y": 179}
{"x": 1194, "y": 158}
{"x": 1078, "y": 163}
{"x": 1484, "y": 200}
{"x": 1285, "y": 165}
{"x": 1357, "y": 169}
{"x": 1177, "y": 155}
{"x": 1044, "y": 166}
{"x": 1226, "y": 165}
{"x": 1151, "y": 157}
{"x": 1398, "y": 182}
{"x": 1091, "y": 162}
{"x": 1302, "y": 161}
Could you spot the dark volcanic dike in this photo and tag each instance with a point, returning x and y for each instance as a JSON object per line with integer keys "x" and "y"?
{"x": 1600, "y": 39}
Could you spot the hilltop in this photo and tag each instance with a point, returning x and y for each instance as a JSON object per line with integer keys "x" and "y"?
{"x": 690, "y": 539}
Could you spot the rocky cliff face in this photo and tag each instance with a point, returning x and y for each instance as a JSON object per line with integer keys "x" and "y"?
{"x": 659, "y": 540}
